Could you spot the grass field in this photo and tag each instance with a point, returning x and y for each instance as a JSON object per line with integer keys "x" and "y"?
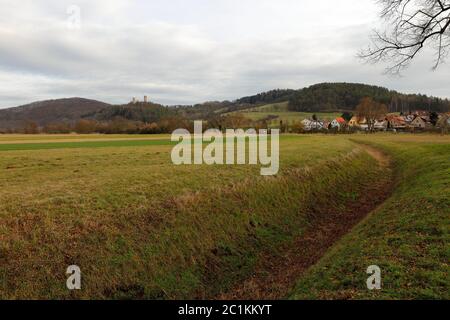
{"x": 67, "y": 144}
{"x": 140, "y": 227}
{"x": 273, "y": 107}
{"x": 408, "y": 236}
{"x": 282, "y": 112}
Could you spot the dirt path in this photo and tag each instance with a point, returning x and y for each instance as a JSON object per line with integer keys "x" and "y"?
{"x": 383, "y": 160}
{"x": 275, "y": 276}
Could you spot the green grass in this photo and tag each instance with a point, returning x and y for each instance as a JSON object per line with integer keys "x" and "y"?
{"x": 140, "y": 227}
{"x": 283, "y": 114}
{"x": 72, "y": 143}
{"x": 273, "y": 107}
{"x": 407, "y": 237}
{"x": 40, "y": 138}
{"x": 84, "y": 144}
{"x": 288, "y": 117}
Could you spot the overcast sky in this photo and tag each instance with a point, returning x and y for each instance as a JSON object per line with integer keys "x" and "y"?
{"x": 190, "y": 51}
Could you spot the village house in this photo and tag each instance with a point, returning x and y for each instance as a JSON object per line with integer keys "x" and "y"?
{"x": 418, "y": 123}
{"x": 353, "y": 121}
{"x": 306, "y": 124}
{"x": 409, "y": 118}
{"x": 396, "y": 122}
{"x": 444, "y": 121}
{"x": 337, "y": 123}
{"x": 381, "y": 124}
{"x": 421, "y": 113}
{"x": 358, "y": 122}
{"x": 309, "y": 125}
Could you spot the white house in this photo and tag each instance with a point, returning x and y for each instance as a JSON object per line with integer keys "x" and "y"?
{"x": 419, "y": 123}
{"x": 306, "y": 124}
{"x": 381, "y": 124}
{"x": 309, "y": 125}
{"x": 338, "y": 123}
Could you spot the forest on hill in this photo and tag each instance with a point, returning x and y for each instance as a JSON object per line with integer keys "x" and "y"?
{"x": 47, "y": 112}
{"x": 346, "y": 96}
{"x": 142, "y": 111}
{"x": 272, "y": 96}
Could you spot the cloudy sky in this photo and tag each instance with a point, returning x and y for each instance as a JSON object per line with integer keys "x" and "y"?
{"x": 189, "y": 51}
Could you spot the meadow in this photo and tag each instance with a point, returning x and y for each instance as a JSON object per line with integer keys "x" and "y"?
{"x": 408, "y": 236}
{"x": 141, "y": 228}
{"x": 281, "y": 111}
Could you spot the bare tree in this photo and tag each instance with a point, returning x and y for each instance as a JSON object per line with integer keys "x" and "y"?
{"x": 411, "y": 26}
{"x": 371, "y": 111}
{"x": 30, "y": 127}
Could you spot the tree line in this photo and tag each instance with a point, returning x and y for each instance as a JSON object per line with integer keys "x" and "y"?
{"x": 117, "y": 125}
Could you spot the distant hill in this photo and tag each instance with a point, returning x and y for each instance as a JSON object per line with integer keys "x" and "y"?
{"x": 329, "y": 97}
{"x": 50, "y": 111}
{"x": 346, "y": 96}
{"x": 272, "y": 96}
{"x": 210, "y": 109}
{"x": 142, "y": 111}
{"x": 323, "y": 97}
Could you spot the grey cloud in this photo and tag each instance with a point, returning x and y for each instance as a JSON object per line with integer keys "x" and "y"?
{"x": 113, "y": 57}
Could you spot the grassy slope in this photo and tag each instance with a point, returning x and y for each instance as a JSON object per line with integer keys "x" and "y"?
{"x": 281, "y": 110}
{"x": 140, "y": 227}
{"x": 272, "y": 107}
{"x": 407, "y": 236}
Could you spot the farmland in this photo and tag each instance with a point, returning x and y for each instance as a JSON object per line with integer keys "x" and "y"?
{"x": 407, "y": 236}
{"x": 140, "y": 227}
{"x": 279, "y": 112}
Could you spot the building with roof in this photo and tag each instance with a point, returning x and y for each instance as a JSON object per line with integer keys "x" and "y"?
{"x": 396, "y": 122}
{"x": 337, "y": 123}
{"x": 419, "y": 123}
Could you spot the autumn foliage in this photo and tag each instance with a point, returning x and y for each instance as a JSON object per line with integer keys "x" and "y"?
{"x": 371, "y": 111}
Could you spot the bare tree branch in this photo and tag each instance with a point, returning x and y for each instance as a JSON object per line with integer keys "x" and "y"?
{"x": 411, "y": 26}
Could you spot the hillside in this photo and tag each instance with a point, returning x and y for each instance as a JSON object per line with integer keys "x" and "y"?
{"x": 272, "y": 96}
{"x": 143, "y": 112}
{"x": 346, "y": 96}
{"x": 49, "y": 111}
{"x": 284, "y": 104}
{"x": 273, "y": 113}
{"x": 72, "y": 110}
{"x": 211, "y": 109}
{"x": 326, "y": 97}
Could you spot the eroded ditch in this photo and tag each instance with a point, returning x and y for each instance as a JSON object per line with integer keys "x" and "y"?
{"x": 275, "y": 275}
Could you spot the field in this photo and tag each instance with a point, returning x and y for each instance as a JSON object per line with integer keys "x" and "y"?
{"x": 141, "y": 228}
{"x": 408, "y": 236}
{"x": 280, "y": 110}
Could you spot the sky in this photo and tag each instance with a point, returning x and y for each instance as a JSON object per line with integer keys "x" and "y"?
{"x": 191, "y": 51}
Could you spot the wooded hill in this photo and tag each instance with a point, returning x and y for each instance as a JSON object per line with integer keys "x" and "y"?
{"x": 324, "y": 97}
{"x": 346, "y": 96}
{"x": 49, "y": 111}
{"x": 142, "y": 111}
{"x": 272, "y": 96}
